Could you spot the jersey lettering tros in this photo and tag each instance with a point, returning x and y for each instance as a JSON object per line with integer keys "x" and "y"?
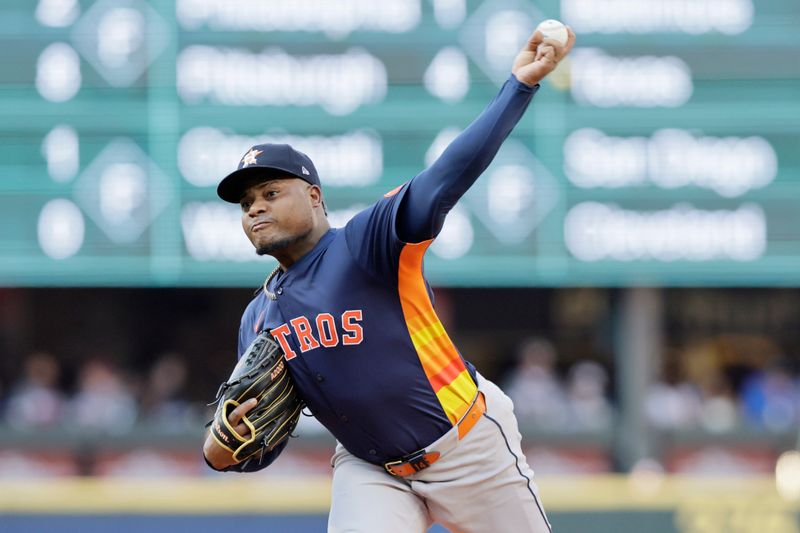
{"x": 355, "y": 315}
{"x": 327, "y": 331}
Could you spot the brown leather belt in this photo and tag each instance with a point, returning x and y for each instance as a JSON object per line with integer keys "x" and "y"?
{"x": 420, "y": 460}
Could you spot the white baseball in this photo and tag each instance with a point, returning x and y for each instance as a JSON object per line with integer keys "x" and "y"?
{"x": 553, "y": 29}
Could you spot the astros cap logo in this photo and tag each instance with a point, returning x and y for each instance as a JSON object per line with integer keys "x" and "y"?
{"x": 250, "y": 157}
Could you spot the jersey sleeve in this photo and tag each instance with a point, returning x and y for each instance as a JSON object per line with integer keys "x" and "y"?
{"x": 241, "y": 346}
{"x": 245, "y": 326}
{"x": 372, "y": 236}
{"x": 434, "y": 192}
{"x": 415, "y": 212}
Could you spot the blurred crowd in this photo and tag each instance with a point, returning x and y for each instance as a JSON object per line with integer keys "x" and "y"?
{"x": 723, "y": 384}
{"x": 547, "y": 395}
{"x": 711, "y": 397}
{"x": 104, "y": 398}
{"x": 542, "y": 397}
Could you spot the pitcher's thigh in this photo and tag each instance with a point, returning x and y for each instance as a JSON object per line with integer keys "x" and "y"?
{"x": 486, "y": 484}
{"x": 499, "y": 496}
{"x": 365, "y": 499}
{"x": 506, "y": 502}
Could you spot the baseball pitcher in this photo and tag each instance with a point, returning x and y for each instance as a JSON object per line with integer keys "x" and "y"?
{"x": 422, "y": 436}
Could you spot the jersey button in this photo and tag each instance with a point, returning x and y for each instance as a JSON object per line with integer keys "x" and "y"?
{"x": 373, "y": 452}
{"x": 344, "y": 418}
{"x": 279, "y": 290}
{"x": 320, "y": 378}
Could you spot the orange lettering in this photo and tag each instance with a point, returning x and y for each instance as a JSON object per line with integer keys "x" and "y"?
{"x": 350, "y": 325}
{"x": 330, "y": 337}
{"x": 302, "y": 328}
{"x": 279, "y": 334}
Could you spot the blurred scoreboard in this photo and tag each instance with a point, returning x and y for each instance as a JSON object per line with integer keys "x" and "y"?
{"x": 665, "y": 151}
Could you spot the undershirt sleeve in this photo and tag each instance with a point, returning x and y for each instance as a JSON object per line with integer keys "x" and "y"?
{"x": 415, "y": 211}
{"x": 434, "y": 192}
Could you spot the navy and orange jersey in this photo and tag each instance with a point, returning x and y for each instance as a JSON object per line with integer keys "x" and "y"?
{"x": 355, "y": 315}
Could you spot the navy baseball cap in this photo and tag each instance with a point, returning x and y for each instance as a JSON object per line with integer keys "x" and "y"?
{"x": 270, "y": 161}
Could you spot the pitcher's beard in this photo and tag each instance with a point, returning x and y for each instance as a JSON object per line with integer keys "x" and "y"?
{"x": 281, "y": 244}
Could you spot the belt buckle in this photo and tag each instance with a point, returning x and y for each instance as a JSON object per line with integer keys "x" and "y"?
{"x": 416, "y": 460}
{"x": 388, "y": 466}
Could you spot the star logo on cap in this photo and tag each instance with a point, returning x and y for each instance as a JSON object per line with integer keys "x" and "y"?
{"x": 250, "y": 157}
